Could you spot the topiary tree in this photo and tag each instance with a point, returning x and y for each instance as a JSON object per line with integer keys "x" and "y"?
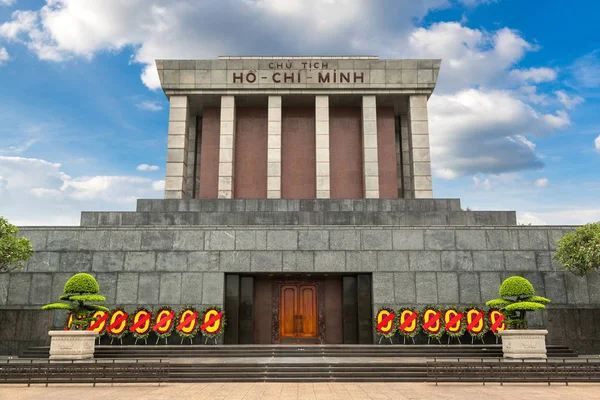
{"x": 80, "y": 289}
{"x": 579, "y": 251}
{"x": 13, "y": 250}
{"x": 517, "y": 296}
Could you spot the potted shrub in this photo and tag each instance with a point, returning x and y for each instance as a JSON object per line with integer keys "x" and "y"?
{"x": 517, "y": 297}
{"x": 77, "y": 342}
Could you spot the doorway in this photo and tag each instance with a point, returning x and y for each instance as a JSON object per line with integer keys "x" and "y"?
{"x": 298, "y": 315}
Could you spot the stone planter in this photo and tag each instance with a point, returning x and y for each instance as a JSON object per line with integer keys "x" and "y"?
{"x": 72, "y": 345}
{"x": 527, "y": 343}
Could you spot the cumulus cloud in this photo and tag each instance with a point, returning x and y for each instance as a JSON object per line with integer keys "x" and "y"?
{"x": 470, "y": 57}
{"x": 37, "y": 192}
{"x": 478, "y": 131}
{"x": 568, "y": 101}
{"x": 3, "y": 55}
{"x": 542, "y": 182}
{"x": 146, "y": 167}
{"x": 536, "y": 75}
{"x": 150, "y": 106}
{"x": 597, "y": 143}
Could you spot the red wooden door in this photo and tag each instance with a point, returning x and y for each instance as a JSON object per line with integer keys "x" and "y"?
{"x": 298, "y": 317}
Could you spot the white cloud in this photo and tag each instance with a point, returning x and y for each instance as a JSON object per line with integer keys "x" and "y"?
{"x": 475, "y": 3}
{"x": 38, "y": 192}
{"x": 19, "y": 148}
{"x": 535, "y": 75}
{"x": 568, "y": 101}
{"x": 469, "y": 56}
{"x": 146, "y": 167}
{"x": 531, "y": 95}
{"x": 159, "y": 185}
{"x": 482, "y": 183}
{"x": 597, "y": 143}
{"x": 586, "y": 70}
{"x": 22, "y": 22}
{"x": 150, "y": 106}
{"x": 566, "y": 217}
{"x": 3, "y": 55}
{"x": 478, "y": 131}
{"x": 542, "y": 182}
{"x": 7, "y": 2}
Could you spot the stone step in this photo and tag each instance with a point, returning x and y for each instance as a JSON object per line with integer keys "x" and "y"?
{"x": 300, "y": 218}
{"x": 191, "y": 351}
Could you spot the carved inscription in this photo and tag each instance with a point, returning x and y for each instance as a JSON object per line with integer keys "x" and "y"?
{"x": 285, "y": 72}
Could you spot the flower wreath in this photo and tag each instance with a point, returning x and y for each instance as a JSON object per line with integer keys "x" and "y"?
{"x": 436, "y": 329}
{"x": 479, "y": 330}
{"x": 167, "y": 329}
{"x": 121, "y": 330}
{"x": 459, "y": 328}
{"x": 68, "y": 322}
{"x": 492, "y": 317}
{"x": 411, "y": 329}
{"x": 385, "y": 331}
{"x": 143, "y": 331}
{"x": 216, "y": 329}
{"x": 101, "y": 329}
{"x": 191, "y": 329}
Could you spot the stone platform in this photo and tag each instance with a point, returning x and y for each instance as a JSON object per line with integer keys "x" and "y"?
{"x": 452, "y": 257}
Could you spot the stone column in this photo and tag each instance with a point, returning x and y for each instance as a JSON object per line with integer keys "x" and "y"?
{"x": 177, "y": 148}
{"x": 407, "y": 181}
{"x": 274, "y": 148}
{"x": 322, "y": 146}
{"x": 370, "y": 157}
{"x": 419, "y": 145}
{"x": 191, "y": 158}
{"x": 226, "y": 147}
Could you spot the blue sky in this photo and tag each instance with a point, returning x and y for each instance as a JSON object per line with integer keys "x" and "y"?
{"x": 514, "y": 121}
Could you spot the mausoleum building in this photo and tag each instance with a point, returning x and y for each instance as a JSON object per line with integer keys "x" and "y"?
{"x": 298, "y": 197}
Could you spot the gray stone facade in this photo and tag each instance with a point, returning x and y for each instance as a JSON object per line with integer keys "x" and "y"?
{"x": 410, "y": 265}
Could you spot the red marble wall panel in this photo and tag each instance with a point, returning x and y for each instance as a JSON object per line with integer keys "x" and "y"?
{"x": 298, "y": 160}
{"x": 345, "y": 153}
{"x": 386, "y": 153}
{"x": 209, "y": 153}
{"x": 250, "y": 174}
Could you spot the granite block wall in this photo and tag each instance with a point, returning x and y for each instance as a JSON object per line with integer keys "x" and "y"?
{"x": 186, "y": 265}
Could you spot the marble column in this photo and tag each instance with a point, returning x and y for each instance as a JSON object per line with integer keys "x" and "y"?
{"x": 177, "y": 148}
{"x": 322, "y": 146}
{"x": 226, "y": 148}
{"x": 274, "y": 148}
{"x": 369, "y": 142}
{"x": 419, "y": 146}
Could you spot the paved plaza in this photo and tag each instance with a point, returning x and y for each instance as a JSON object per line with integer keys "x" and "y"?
{"x": 301, "y": 391}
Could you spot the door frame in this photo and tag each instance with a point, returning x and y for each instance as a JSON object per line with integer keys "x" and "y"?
{"x": 320, "y": 306}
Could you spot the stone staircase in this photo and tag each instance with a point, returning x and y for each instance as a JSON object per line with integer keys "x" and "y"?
{"x": 277, "y": 363}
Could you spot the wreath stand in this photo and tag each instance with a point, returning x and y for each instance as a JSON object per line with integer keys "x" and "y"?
{"x": 381, "y": 338}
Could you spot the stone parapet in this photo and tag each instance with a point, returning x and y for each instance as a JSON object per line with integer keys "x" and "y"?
{"x": 302, "y": 218}
{"x": 227, "y": 205}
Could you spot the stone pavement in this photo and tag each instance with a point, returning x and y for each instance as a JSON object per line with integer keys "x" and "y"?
{"x": 301, "y": 391}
